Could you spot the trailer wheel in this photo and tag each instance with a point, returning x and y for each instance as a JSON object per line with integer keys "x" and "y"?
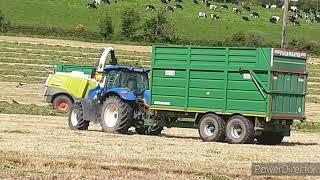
{"x": 154, "y": 130}
{"x": 270, "y": 138}
{"x": 62, "y": 103}
{"x": 75, "y": 120}
{"x": 239, "y": 130}
{"x": 212, "y": 128}
{"x": 116, "y": 115}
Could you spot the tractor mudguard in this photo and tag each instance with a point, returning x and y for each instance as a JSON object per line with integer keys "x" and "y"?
{"x": 123, "y": 93}
{"x": 90, "y": 109}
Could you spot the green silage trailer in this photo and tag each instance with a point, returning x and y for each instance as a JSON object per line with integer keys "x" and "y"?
{"x": 238, "y": 94}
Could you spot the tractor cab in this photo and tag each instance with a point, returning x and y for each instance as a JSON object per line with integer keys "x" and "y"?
{"x": 129, "y": 83}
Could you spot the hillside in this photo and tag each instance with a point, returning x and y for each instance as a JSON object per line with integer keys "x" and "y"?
{"x": 68, "y": 14}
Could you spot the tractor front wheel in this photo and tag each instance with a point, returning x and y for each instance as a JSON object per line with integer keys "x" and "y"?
{"x": 76, "y": 121}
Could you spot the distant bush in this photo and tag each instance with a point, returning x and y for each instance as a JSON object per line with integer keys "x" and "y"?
{"x": 4, "y": 25}
{"x": 303, "y": 45}
{"x": 240, "y": 39}
{"x": 158, "y": 28}
{"x": 106, "y": 27}
{"x": 79, "y": 29}
{"x": 130, "y": 23}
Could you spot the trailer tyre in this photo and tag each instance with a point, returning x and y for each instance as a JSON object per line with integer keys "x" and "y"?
{"x": 154, "y": 130}
{"x": 116, "y": 115}
{"x": 270, "y": 138}
{"x": 75, "y": 120}
{"x": 239, "y": 130}
{"x": 62, "y": 103}
{"x": 212, "y": 128}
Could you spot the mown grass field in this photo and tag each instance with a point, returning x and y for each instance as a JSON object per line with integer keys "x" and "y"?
{"x": 48, "y": 13}
{"x": 43, "y": 147}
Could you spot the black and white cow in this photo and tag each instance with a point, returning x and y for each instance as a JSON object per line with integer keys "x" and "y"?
{"x": 224, "y": 7}
{"x": 214, "y": 17}
{"x": 150, "y": 7}
{"x": 92, "y": 5}
{"x": 247, "y": 8}
{"x": 236, "y": 10}
{"x": 212, "y": 6}
{"x": 245, "y": 18}
{"x": 274, "y": 19}
{"x": 255, "y": 14}
{"x": 202, "y": 14}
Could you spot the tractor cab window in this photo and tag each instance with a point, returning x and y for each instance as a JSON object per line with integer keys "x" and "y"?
{"x": 112, "y": 79}
{"x": 136, "y": 82}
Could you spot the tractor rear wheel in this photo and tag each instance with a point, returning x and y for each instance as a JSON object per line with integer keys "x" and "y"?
{"x": 76, "y": 121}
{"x": 270, "y": 138}
{"x": 239, "y": 130}
{"x": 212, "y": 128}
{"x": 62, "y": 103}
{"x": 116, "y": 115}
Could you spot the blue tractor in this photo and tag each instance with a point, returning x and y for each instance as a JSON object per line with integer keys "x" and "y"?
{"x": 120, "y": 101}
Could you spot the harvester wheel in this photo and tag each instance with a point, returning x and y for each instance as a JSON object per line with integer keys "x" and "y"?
{"x": 116, "y": 115}
{"x": 212, "y": 128}
{"x": 76, "y": 121}
{"x": 62, "y": 103}
{"x": 270, "y": 138}
{"x": 239, "y": 130}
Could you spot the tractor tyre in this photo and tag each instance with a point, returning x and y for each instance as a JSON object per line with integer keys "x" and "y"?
{"x": 116, "y": 115}
{"x": 62, "y": 103}
{"x": 75, "y": 120}
{"x": 239, "y": 130}
{"x": 212, "y": 128}
{"x": 270, "y": 138}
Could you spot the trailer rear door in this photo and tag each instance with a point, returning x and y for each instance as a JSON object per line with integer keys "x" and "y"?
{"x": 288, "y": 84}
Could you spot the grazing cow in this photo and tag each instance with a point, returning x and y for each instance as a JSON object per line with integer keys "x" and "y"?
{"x": 169, "y": 8}
{"x": 294, "y": 20}
{"x": 195, "y": 2}
{"x": 212, "y": 6}
{"x": 293, "y": 8}
{"x": 214, "y": 17}
{"x": 92, "y": 5}
{"x": 98, "y": 2}
{"x": 274, "y": 19}
{"x": 245, "y": 18}
{"x": 255, "y": 14}
{"x": 236, "y": 10}
{"x": 224, "y": 7}
{"x": 150, "y": 7}
{"x": 178, "y": 6}
{"x": 247, "y": 8}
{"x": 273, "y": 7}
{"x": 202, "y": 14}
{"x": 179, "y": 1}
